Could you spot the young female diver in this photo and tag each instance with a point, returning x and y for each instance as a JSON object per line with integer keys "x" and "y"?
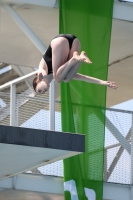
{"x": 61, "y": 62}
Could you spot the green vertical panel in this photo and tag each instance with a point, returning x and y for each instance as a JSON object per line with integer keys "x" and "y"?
{"x": 83, "y": 104}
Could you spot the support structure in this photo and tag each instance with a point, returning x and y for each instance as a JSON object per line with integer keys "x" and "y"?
{"x": 118, "y": 135}
{"x": 25, "y": 149}
{"x": 29, "y": 182}
{"x": 41, "y": 47}
{"x": 131, "y": 177}
{"x": 24, "y": 27}
{"x": 52, "y": 106}
{"x": 13, "y": 105}
{"x": 123, "y": 11}
{"x": 116, "y": 158}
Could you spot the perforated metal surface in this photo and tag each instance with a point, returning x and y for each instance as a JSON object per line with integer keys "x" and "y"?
{"x": 117, "y": 159}
{"x": 33, "y": 112}
{"x": 54, "y": 169}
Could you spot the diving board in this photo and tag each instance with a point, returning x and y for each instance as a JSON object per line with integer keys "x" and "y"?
{"x": 23, "y": 149}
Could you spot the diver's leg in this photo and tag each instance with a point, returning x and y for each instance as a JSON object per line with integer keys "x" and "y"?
{"x": 60, "y": 55}
{"x": 83, "y": 57}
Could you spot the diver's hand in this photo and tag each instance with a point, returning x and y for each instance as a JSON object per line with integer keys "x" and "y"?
{"x": 41, "y": 74}
{"x": 110, "y": 84}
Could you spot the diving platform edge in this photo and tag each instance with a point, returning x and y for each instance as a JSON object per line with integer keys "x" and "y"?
{"x": 23, "y": 149}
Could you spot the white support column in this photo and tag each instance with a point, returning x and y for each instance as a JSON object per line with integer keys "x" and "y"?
{"x": 12, "y": 105}
{"x": 131, "y": 172}
{"x": 17, "y": 112}
{"x": 131, "y": 177}
{"x": 24, "y": 27}
{"x": 52, "y": 106}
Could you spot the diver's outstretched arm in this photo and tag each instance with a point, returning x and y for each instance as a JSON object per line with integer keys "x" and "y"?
{"x": 90, "y": 79}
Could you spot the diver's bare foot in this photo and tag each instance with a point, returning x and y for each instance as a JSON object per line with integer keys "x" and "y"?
{"x": 77, "y": 56}
{"x": 85, "y": 58}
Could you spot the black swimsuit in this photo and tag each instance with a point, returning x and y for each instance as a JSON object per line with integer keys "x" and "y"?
{"x": 48, "y": 54}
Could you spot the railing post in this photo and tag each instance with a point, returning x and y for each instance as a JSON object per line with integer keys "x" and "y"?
{"x": 131, "y": 176}
{"x": 13, "y": 105}
{"x": 52, "y": 106}
{"x": 17, "y": 111}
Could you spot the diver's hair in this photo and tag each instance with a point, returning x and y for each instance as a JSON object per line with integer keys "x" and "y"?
{"x": 35, "y": 83}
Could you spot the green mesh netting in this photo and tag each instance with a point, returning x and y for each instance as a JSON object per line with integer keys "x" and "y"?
{"x": 83, "y": 104}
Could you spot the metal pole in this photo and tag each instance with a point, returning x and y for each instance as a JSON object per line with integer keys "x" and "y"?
{"x": 52, "y": 106}
{"x": 131, "y": 176}
{"x": 13, "y": 105}
{"x": 25, "y": 28}
{"x": 131, "y": 172}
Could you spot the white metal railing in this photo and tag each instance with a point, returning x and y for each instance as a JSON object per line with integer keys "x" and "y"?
{"x": 17, "y": 80}
{"x": 12, "y": 85}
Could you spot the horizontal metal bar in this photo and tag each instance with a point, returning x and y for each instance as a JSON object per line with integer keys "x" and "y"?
{"x": 24, "y": 27}
{"x": 120, "y": 110}
{"x": 18, "y": 80}
{"x": 114, "y": 145}
{"x": 110, "y": 109}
